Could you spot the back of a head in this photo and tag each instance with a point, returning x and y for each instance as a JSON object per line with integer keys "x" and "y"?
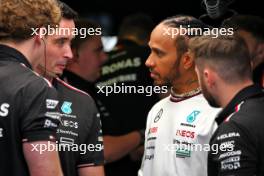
{"x": 19, "y": 18}
{"x": 137, "y": 25}
{"x": 228, "y": 56}
{"x": 249, "y": 23}
{"x": 186, "y": 22}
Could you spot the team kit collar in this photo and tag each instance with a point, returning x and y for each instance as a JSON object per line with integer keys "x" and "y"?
{"x": 242, "y": 95}
{"x": 8, "y": 53}
{"x": 180, "y": 97}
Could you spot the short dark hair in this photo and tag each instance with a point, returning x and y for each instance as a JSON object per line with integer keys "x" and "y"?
{"x": 249, "y": 23}
{"x": 67, "y": 11}
{"x": 138, "y": 25}
{"x": 227, "y": 55}
{"x": 185, "y": 21}
{"x": 87, "y": 25}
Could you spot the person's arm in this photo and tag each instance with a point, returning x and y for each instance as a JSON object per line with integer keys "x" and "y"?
{"x": 42, "y": 163}
{"x": 91, "y": 171}
{"x": 116, "y": 147}
{"x": 39, "y": 122}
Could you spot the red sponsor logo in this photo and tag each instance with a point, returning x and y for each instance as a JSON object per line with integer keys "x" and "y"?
{"x": 153, "y": 130}
{"x": 185, "y": 133}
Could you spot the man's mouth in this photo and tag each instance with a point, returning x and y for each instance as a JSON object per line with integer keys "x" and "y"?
{"x": 153, "y": 74}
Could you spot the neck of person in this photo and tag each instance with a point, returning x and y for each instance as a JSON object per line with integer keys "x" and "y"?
{"x": 226, "y": 92}
{"x": 49, "y": 78}
{"x": 189, "y": 84}
{"x": 45, "y": 73}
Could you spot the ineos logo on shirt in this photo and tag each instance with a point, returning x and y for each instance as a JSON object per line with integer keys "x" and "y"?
{"x": 71, "y": 124}
{"x": 4, "y": 109}
{"x": 185, "y": 133}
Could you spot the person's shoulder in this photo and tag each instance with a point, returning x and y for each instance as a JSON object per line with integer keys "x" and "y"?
{"x": 250, "y": 112}
{"x": 160, "y": 104}
{"x": 74, "y": 91}
{"x": 200, "y": 101}
{"x": 21, "y": 82}
{"x": 198, "y": 98}
{"x": 21, "y": 73}
{"x": 71, "y": 88}
{"x": 248, "y": 118}
{"x": 255, "y": 104}
{"x": 31, "y": 79}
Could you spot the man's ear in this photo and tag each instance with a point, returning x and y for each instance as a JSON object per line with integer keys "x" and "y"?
{"x": 187, "y": 60}
{"x": 38, "y": 39}
{"x": 39, "y": 35}
{"x": 209, "y": 77}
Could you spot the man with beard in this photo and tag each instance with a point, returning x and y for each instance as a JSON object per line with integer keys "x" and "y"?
{"x": 80, "y": 142}
{"x": 225, "y": 75}
{"x": 180, "y": 123}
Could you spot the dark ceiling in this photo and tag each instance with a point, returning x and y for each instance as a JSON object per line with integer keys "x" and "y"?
{"x": 158, "y": 9}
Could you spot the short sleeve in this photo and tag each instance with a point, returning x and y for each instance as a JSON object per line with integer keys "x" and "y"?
{"x": 40, "y": 117}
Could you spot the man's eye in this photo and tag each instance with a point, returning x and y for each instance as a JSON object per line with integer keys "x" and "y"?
{"x": 61, "y": 42}
{"x": 98, "y": 50}
{"x": 159, "y": 53}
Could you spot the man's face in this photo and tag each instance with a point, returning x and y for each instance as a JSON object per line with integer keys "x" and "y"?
{"x": 162, "y": 61}
{"x": 205, "y": 89}
{"x": 58, "y": 49}
{"x": 90, "y": 58}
